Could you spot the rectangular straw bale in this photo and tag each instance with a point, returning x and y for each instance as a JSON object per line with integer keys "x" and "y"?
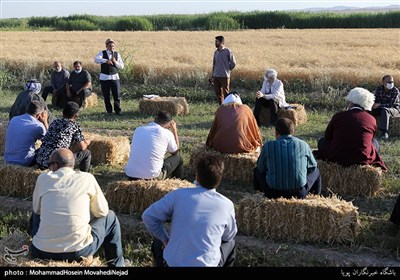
{"x": 298, "y": 114}
{"x": 107, "y": 149}
{"x": 238, "y": 167}
{"x": 173, "y": 105}
{"x": 356, "y": 180}
{"x": 90, "y": 101}
{"x": 17, "y": 241}
{"x": 394, "y": 126}
{"x": 135, "y": 196}
{"x": 313, "y": 219}
{"x": 3, "y": 131}
{"x": 18, "y": 181}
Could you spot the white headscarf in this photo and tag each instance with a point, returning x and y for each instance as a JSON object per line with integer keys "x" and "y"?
{"x": 362, "y": 97}
{"x": 33, "y": 85}
{"x": 233, "y": 97}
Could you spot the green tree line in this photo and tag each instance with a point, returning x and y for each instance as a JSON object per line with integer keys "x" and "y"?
{"x": 212, "y": 21}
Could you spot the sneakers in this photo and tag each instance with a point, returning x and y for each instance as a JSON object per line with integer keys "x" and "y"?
{"x": 385, "y": 136}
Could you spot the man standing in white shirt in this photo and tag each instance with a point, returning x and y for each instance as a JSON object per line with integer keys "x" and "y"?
{"x": 203, "y": 224}
{"x": 71, "y": 218}
{"x": 148, "y": 148}
{"x": 111, "y": 62}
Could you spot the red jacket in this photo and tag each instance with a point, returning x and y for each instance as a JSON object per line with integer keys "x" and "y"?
{"x": 349, "y": 137}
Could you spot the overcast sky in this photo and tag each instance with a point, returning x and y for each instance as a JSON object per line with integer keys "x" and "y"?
{"x": 29, "y": 8}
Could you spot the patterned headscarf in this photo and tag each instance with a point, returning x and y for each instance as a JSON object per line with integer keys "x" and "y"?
{"x": 33, "y": 85}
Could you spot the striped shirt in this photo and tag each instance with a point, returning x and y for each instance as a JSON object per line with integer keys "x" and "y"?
{"x": 286, "y": 161}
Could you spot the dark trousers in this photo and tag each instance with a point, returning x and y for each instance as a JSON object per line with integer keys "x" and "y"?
{"x": 61, "y": 95}
{"x": 46, "y": 91}
{"x": 106, "y": 232}
{"x": 395, "y": 216}
{"x": 385, "y": 114}
{"x": 313, "y": 185}
{"x": 221, "y": 88}
{"x": 82, "y": 96}
{"x": 273, "y": 109}
{"x": 228, "y": 253}
{"x": 83, "y": 160}
{"x": 114, "y": 87}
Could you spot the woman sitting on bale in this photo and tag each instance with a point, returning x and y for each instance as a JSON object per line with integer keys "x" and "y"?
{"x": 234, "y": 129}
{"x": 349, "y": 136}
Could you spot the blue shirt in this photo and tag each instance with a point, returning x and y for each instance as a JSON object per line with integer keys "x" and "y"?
{"x": 200, "y": 220}
{"x": 286, "y": 161}
{"x": 22, "y": 133}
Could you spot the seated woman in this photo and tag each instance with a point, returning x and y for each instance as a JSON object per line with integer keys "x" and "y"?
{"x": 349, "y": 136}
{"x": 271, "y": 96}
{"x": 234, "y": 129}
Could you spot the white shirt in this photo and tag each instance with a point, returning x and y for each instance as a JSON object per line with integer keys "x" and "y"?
{"x": 148, "y": 148}
{"x": 65, "y": 200}
{"x": 119, "y": 64}
{"x": 200, "y": 220}
{"x": 274, "y": 91}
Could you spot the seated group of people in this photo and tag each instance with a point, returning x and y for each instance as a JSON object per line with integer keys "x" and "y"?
{"x": 70, "y": 222}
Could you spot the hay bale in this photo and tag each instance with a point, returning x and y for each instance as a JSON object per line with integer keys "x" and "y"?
{"x": 297, "y": 114}
{"x": 313, "y": 219}
{"x": 356, "y": 180}
{"x": 173, "y": 105}
{"x": 18, "y": 181}
{"x": 394, "y": 126}
{"x": 91, "y": 101}
{"x": 17, "y": 241}
{"x": 238, "y": 167}
{"x": 3, "y": 131}
{"x": 135, "y": 196}
{"x": 107, "y": 149}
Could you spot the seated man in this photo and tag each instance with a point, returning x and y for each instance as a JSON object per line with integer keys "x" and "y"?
{"x": 271, "y": 95}
{"x": 286, "y": 167}
{"x": 349, "y": 136}
{"x": 31, "y": 92}
{"x": 203, "y": 224}
{"x": 63, "y": 133}
{"x": 79, "y": 85}
{"x": 58, "y": 80}
{"x": 71, "y": 218}
{"x": 234, "y": 129}
{"x": 22, "y": 133}
{"x": 148, "y": 148}
{"x": 387, "y": 104}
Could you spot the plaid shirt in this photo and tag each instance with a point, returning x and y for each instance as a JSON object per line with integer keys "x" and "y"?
{"x": 387, "y": 99}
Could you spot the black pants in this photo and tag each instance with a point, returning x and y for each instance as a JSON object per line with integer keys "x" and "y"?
{"x": 114, "y": 87}
{"x": 385, "y": 114}
{"x": 313, "y": 185}
{"x": 228, "y": 253}
{"x": 173, "y": 167}
{"x": 61, "y": 95}
{"x": 273, "y": 109}
{"x": 395, "y": 216}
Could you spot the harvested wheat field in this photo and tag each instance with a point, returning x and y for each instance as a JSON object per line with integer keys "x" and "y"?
{"x": 315, "y": 218}
{"x": 346, "y": 55}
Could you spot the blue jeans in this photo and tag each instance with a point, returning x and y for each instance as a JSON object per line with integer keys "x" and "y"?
{"x": 106, "y": 231}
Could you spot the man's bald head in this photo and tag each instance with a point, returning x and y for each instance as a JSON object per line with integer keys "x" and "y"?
{"x": 63, "y": 158}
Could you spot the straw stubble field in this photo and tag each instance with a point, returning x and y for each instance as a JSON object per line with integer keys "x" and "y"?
{"x": 358, "y": 56}
{"x": 347, "y": 55}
